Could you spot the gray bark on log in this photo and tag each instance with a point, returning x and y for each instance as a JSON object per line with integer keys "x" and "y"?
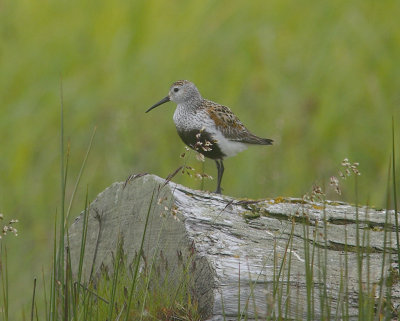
{"x": 235, "y": 242}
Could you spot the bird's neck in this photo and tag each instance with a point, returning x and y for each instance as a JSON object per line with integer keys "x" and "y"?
{"x": 194, "y": 103}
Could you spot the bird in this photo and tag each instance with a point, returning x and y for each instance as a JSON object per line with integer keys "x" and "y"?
{"x": 208, "y": 127}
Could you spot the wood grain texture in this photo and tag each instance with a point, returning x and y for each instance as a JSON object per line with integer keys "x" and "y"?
{"x": 231, "y": 241}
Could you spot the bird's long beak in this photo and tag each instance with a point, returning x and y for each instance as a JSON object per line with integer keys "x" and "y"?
{"x": 162, "y": 101}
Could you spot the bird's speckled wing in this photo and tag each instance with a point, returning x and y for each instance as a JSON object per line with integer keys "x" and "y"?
{"x": 230, "y": 126}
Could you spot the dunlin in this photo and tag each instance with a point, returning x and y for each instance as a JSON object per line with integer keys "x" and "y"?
{"x": 209, "y": 128}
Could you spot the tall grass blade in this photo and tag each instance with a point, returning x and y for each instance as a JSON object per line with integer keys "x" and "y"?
{"x": 223, "y": 306}
{"x": 252, "y": 285}
{"x": 79, "y": 175}
{"x": 282, "y": 265}
{"x": 120, "y": 313}
{"x": 339, "y": 303}
{"x": 70, "y": 285}
{"x": 136, "y": 270}
{"x": 83, "y": 239}
{"x": 238, "y": 308}
{"x": 308, "y": 262}
{"x": 325, "y": 267}
{"x": 287, "y": 303}
{"x": 33, "y": 298}
{"x": 359, "y": 253}
{"x": 52, "y": 312}
{"x": 45, "y": 295}
{"x": 387, "y": 227}
{"x": 346, "y": 275}
{"x": 66, "y": 286}
{"x": 4, "y": 281}
{"x": 94, "y": 294}
{"x": 312, "y": 277}
{"x": 60, "y": 267}
{"x": 395, "y": 192}
{"x": 152, "y": 267}
{"x": 115, "y": 277}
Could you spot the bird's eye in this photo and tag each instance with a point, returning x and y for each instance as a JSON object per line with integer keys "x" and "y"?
{"x": 176, "y": 89}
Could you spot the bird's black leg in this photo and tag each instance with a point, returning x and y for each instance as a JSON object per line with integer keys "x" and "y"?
{"x": 220, "y": 168}
{"x": 222, "y": 173}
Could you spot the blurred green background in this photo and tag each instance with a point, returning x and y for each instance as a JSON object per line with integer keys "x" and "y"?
{"x": 321, "y": 78}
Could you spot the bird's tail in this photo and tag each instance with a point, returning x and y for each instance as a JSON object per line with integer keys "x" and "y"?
{"x": 255, "y": 140}
{"x": 266, "y": 141}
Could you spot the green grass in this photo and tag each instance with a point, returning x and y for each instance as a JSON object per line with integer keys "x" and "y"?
{"x": 139, "y": 290}
{"x": 320, "y": 78}
{"x": 144, "y": 289}
{"x": 119, "y": 293}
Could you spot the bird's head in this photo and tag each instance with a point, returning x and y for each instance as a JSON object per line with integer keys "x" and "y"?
{"x": 181, "y": 91}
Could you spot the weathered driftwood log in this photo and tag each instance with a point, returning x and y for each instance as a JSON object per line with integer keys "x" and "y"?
{"x": 239, "y": 249}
